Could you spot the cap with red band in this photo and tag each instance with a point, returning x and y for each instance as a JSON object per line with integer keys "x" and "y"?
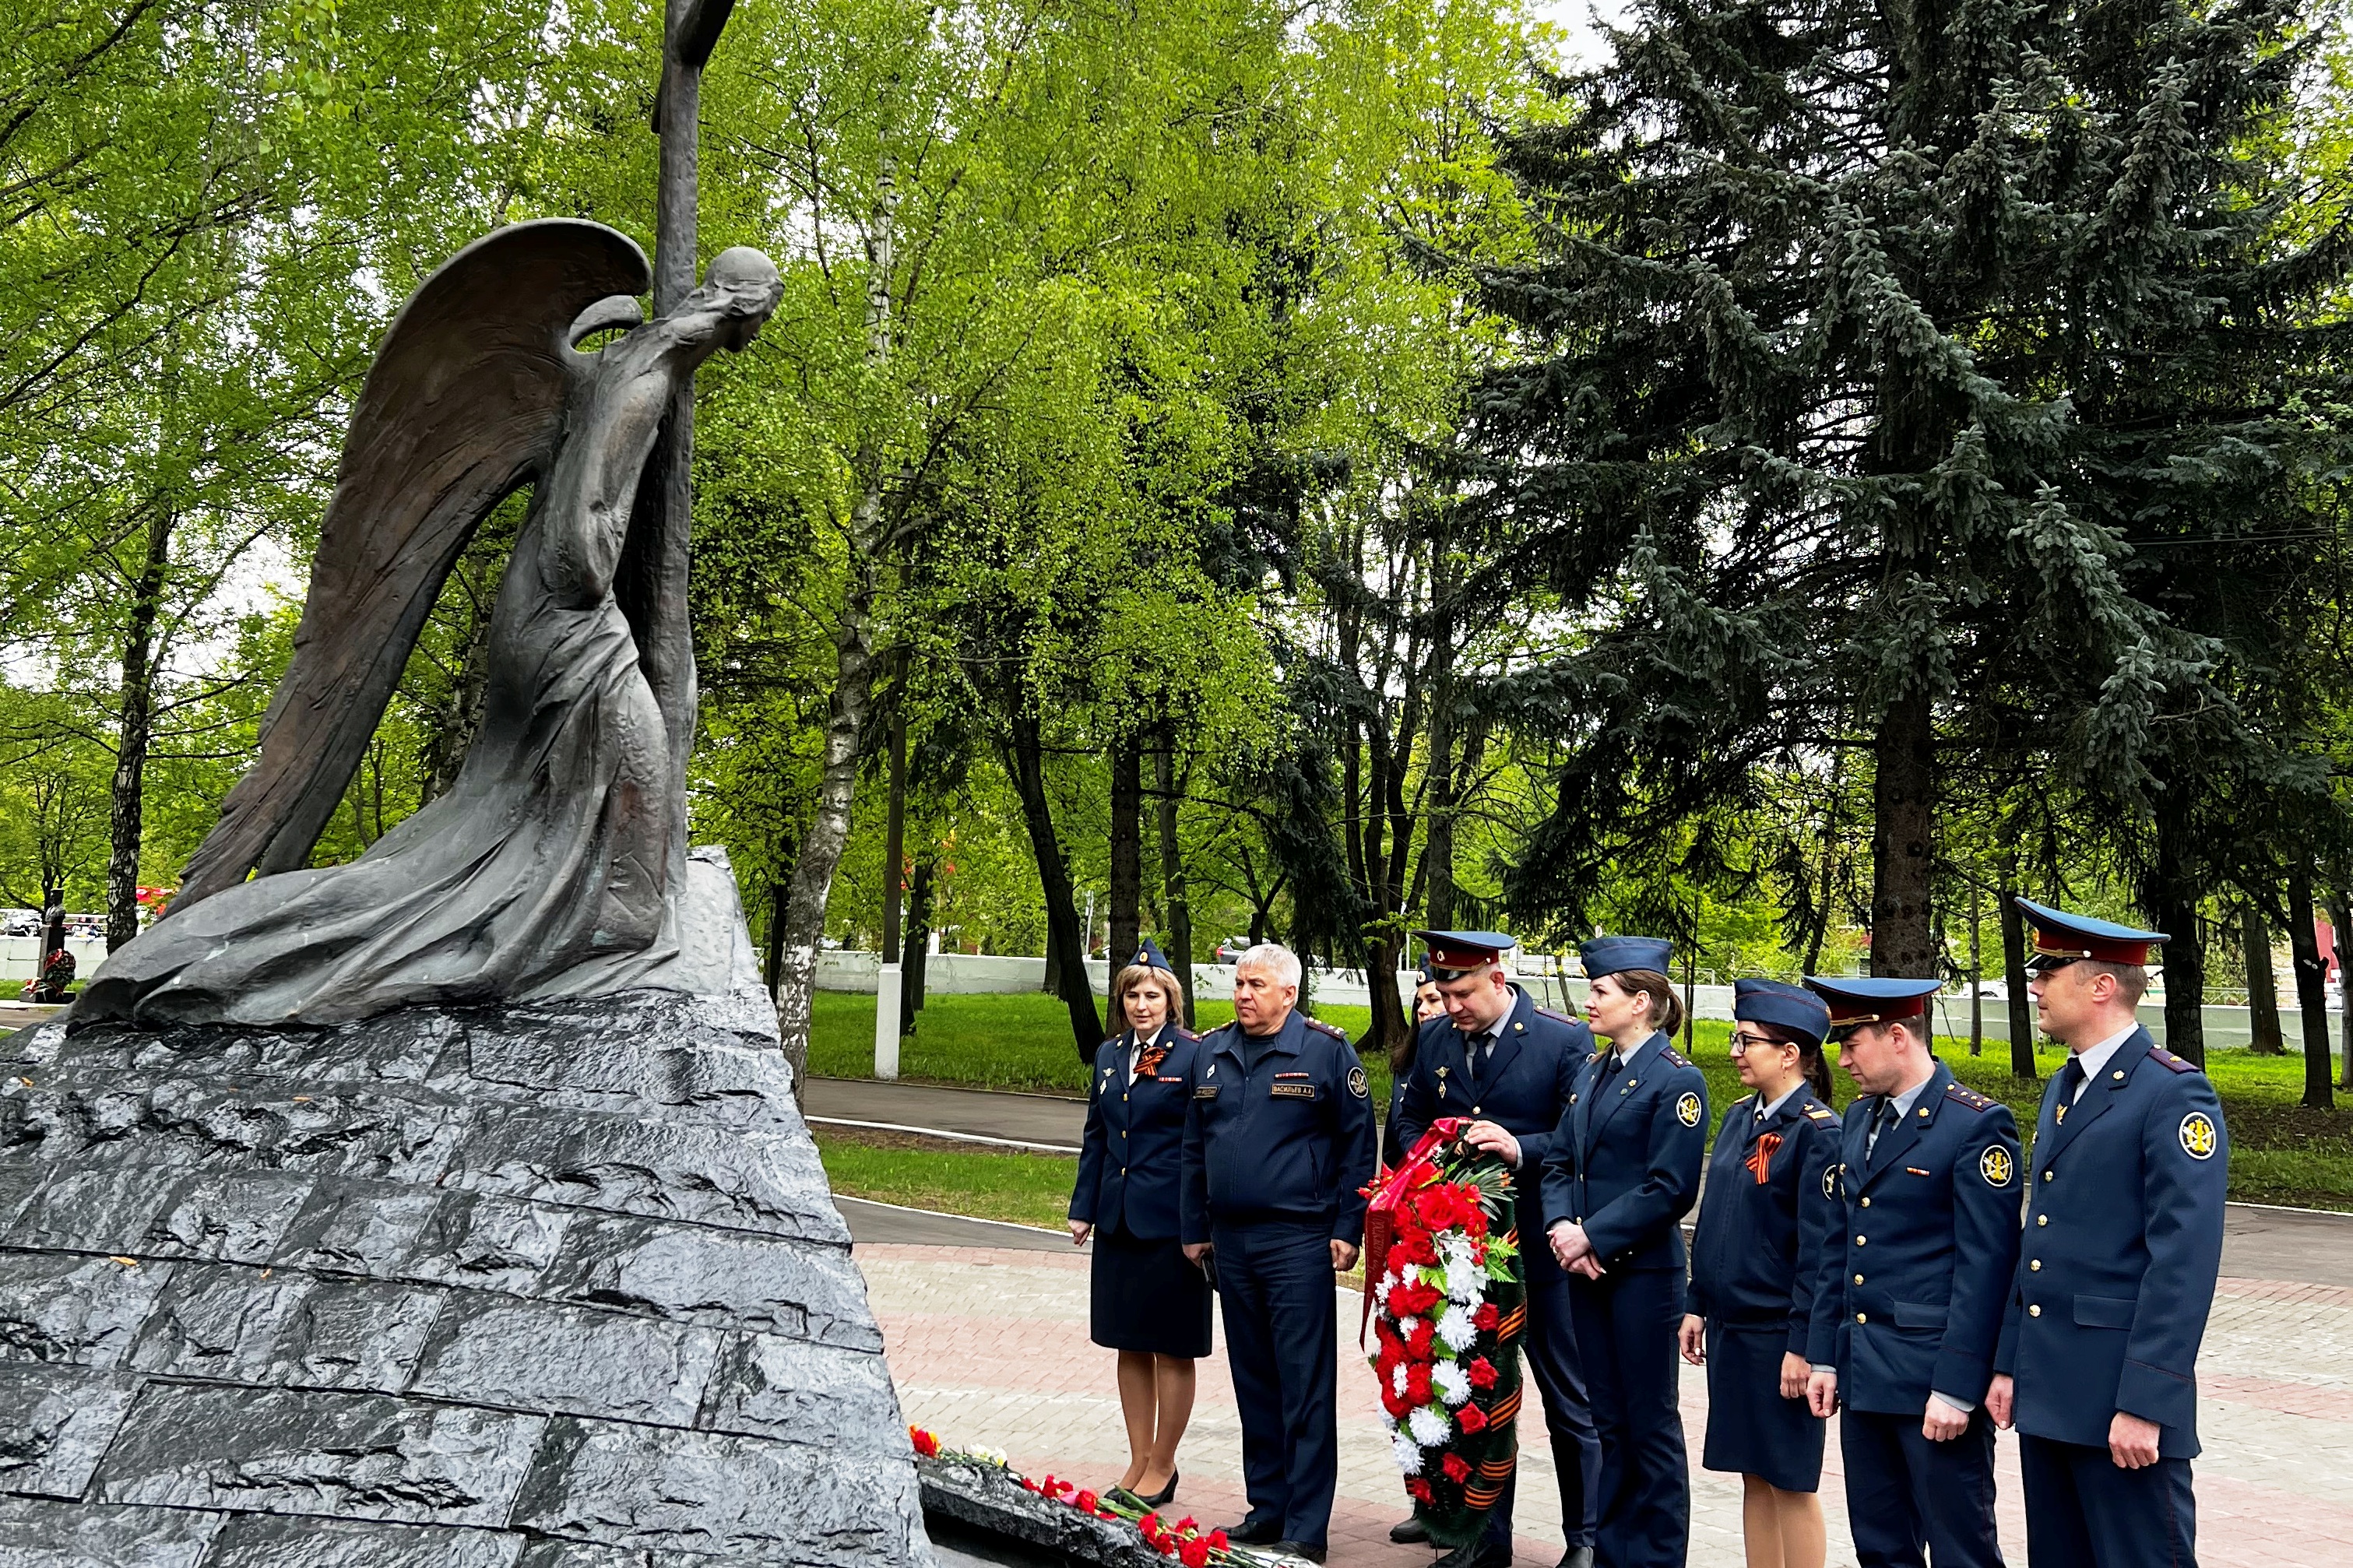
{"x": 1460, "y": 952}
{"x": 2061, "y": 938}
{"x": 1861, "y": 1000}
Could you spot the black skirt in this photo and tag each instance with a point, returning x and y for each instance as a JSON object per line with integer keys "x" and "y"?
{"x": 1145, "y": 1297}
{"x": 1751, "y": 1429}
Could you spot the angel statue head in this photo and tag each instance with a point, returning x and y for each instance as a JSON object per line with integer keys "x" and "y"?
{"x": 742, "y": 287}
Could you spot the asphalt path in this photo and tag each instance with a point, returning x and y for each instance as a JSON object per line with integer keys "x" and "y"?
{"x": 2258, "y": 1242}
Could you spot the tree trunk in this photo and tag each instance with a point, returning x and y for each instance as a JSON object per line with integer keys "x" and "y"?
{"x": 1438, "y": 845}
{"x": 136, "y": 734}
{"x": 1052, "y": 985}
{"x": 2311, "y": 985}
{"x": 1067, "y": 968}
{"x": 2013, "y": 971}
{"x": 2340, "y": 921}
{"x": 1127, "y": 852}
{"x": 1172, "y": 876}
{"x": 1904, "y": 822}
{"x": 2266, "y": 1038}
{"x": 2176, "y": 911}
{"x": 1976, "y": 970}
{"x": 777, "y": 894}
{"x": 894, "y": 836}
{"x": 918, "y": 943}
{"x": 853, "y": 677}
{"x": 1392, "y": 1026}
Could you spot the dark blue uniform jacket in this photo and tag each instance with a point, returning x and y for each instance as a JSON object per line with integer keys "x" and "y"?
{"x": 1131, "y": 1159}
{"x": 2124, "y": 1238}
{"x": 1529, "y": 1076}
{"x": 1624, "y": 1161}
{"x": 1911, "y": 1298}
{"x": 1757, "y": 1255}
{"x": 1292, "y": 1140}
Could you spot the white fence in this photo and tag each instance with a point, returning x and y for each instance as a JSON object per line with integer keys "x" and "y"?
{"x": 958, "y": 974}
{"x": 20, "y": 956}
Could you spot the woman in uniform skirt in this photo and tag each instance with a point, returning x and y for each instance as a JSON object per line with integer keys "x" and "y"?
{"x": 1764, "y": 1229}
{"x": 1147, "y": 1302}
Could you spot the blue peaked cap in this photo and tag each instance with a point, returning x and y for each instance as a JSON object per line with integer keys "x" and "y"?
{"x": 2060, "y": 936}
{"x": 1854, "y": 999}
{"x": 1458, "y": 951}
{"x": 1774, "y": 1002}
{"x": 1149, "y": 956}
{"x": 1610, "y": 954}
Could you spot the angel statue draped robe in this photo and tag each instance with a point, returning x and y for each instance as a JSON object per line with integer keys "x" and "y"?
{"x": 553, "y": 868}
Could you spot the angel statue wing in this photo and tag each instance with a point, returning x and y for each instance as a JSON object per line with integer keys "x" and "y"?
{"x": 463, "y": 405}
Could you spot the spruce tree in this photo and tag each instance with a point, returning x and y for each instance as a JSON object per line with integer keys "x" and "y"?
{"x": 1867, "y": 345}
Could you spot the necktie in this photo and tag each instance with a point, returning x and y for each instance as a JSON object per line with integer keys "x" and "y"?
{"x": 1480, "y": 1045}
{"x": 1881, "y": 1120}
{"x": 2071, "y": 1083}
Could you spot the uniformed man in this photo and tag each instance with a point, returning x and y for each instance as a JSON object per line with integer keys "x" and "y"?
{"x": 1909, "y": 1309}
{"x": 1622, "y": 1170}
{"x": 2124, "y": 1238}
{"x": 1278, "y": 1152}
{"x": 1493, "y": 1056}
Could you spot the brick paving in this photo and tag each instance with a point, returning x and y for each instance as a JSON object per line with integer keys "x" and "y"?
{"x": 989, "y": 1346}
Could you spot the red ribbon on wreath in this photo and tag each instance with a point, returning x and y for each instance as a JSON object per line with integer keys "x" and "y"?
{"x": 1419, "y": 1166}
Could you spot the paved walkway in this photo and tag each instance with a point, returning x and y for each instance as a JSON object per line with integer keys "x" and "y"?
{"x": 988, "y": 1346}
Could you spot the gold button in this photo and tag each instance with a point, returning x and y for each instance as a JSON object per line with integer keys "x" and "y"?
{"x": 2042, "y": 1219}
{"x": 2036, "y": 1266}
{"x": 1631, "y": 1082}
{"x": 2048, "y": 1174}
{"x": 2118, "y": 1075}
{"x": 1474, "y": 1110}
{"x": 1122, "y": 1169}
{"x": 2034, "y": 1312}
{"x": 1924, "y": 1113}
{"x": 1862, "y": 1317}
{"x": 1866, "y": 1202}
{"x": 1861, "y": 1239}
{"x": 1858, "y": 1278}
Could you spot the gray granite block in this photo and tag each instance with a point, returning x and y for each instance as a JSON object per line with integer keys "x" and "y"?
{"x": 486, "y": 1243}
{"x": 809, "y": 1394}
{"x": 353, "y": 1455}
{"x": 40, "y": 1534}
{"x": 536, "y": 1355}
{"x": 67, "y": 1307}
{"x": 269, "y": 1540}
{"x": 718, "y": 1278}
{"x": 54, "y": 1424}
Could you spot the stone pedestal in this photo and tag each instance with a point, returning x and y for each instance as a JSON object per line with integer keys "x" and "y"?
{"x": 555, "y": 1286}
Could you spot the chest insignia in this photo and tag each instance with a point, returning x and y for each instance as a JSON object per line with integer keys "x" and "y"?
{"x": 1761, "y": 1158}
{"x": 2198, "y": 1137}
{"x": 1687, "y": 1112}
{"x": 1294, "y": 1091}
{"x": 1996, "y": 1166}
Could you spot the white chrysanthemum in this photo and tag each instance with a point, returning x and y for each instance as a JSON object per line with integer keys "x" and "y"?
{"x": 1397, "y": 1380}
{"x": 1406, "y": 1327}
{"x": 1453, "y": 1385}
{"x": 1407, "y": 1454}
{"x": 1455, "y": 1327}
{"x": 1465, "y": 1281}
{"x": 1429, "y": 1428}
{"x": 1381, "y": 1291}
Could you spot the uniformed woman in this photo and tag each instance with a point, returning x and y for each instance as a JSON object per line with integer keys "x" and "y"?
{"x": 1428, "y": 1003}
{"x": 1764, "y": 1231}
{"x": 1622, "y": 1171}
{"x": 1147, "y": 1302}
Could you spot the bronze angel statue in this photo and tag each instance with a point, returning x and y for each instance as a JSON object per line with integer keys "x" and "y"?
{"x": 555, "y": 867}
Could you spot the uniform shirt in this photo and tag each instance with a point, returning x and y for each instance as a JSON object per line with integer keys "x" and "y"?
{"x": 2124, "y": 1240}
{"x": 1279, "y": 1127}
{"x": 1910, "y": 1302}
{"x": 1764, "y": 1220}
{"x": 1624, "y": 1160}
{"x": 1523, "y": 1089}
{"x": 2093, "y": 1060}
{"x": 1131, "y": 1155}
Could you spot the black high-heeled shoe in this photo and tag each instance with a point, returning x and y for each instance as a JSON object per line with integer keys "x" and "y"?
{"x": 1165, "y": 1496}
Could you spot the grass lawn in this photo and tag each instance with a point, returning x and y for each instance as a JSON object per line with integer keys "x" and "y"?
{"x": 1028, "y": 1189}
{"x": 2280, "y": 1152}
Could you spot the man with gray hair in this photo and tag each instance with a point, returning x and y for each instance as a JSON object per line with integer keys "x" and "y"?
{"x": 1279, "y": 1146}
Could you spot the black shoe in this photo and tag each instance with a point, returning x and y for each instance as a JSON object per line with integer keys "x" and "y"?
{"x": 1577, "y": 1557}
{"x": 1255, "y": 1532}
{"x": 1298, "y": 1549}
{"x": 1480, "y": 1553}
{"x": 1162, "y": 1497}
{"x": 1409, "y": 1531}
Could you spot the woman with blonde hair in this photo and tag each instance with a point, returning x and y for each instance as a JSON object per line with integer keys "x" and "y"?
{"x": 1147, "y": 1301}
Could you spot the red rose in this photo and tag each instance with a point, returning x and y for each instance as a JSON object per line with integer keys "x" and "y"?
{"x": 1481, "y": 1373}
{"x": 1473, "y": 1419}
{"x": 1456, "y": 1468}
{"x": 1414, "y": 1299}
{"x": 1417, "y": 1385}
{"x": 1485, "y": 1319}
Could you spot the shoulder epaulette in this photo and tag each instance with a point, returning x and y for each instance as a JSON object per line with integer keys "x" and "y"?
{"x": 1559, "y": 1018}
{"x": 1337, "y": 1033}
{"x": 1968, "y": 1096}
{"x": 1815, "y": 1111}
{"x": 2167, "y": 1060}
{"x": 1674, "y": 1058}
{"x": 1112, "y": 1041}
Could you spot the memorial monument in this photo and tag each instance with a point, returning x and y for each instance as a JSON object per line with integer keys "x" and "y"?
{"x": 451, "y": 1208}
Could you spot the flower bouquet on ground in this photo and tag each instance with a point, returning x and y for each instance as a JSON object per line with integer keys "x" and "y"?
{"x": 1099, "y": 1530}
{"x": 1445, "y": 1289}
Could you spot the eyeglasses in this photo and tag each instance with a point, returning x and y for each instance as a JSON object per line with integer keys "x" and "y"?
{"x": 1742, "y": 1044}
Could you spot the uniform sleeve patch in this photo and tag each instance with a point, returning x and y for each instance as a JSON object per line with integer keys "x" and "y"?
{"x": 1830, "y": 1180}
{"x": 1687, "y": 1109}
{"x": 2198, "y": 1139}
{"x": 1357, "y": 1085}
{"x": 1997, "y": 1167}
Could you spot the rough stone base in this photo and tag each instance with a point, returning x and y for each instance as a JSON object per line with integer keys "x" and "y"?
{"x": 555, "y": 1286}
{"x": 978, "y": 1515}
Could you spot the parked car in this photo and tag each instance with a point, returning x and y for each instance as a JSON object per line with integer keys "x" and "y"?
{"x": 1232, "y": 948}
{"x": 20, "y": 922}
{"x": 1991, "y": 990}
